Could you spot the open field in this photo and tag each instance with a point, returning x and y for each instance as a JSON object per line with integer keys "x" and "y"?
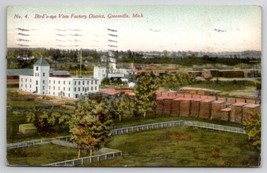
{"x": 178, "y": 146}
{"x": 183, "y": 146}
{"x": 41, "y": 154}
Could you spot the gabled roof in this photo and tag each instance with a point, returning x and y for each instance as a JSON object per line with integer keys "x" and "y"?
{"x": 41, "y": 62}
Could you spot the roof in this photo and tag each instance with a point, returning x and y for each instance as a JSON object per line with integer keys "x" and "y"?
{"x": 29, "y": 72}
{"x": 17, "y": 72}
{"x": 59, "y": 73}
{"x": 41, "y": 62}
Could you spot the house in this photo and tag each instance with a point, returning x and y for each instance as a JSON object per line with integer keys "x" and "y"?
{"x": 44, "y": 82}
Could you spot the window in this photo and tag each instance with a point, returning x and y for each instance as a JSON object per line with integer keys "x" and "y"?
{"x": 69, "y": 95}
{"x": 78, "y": 88}
{"x": 83, "y": 82}
{"x": 43, "y": 81}
{"x": 88, "y": 82}
{"x": 21, "y": 79}
{"x": 49, "y": 87}
{"x": 43, "y": 74}
{"x": 53, "y": 93}
{"x": 74, "y": 82}
{"x": 30, "y": 80}
{"x": 26, "y": 80}
{"x": 30, "y": 86}
{"x": 43, "y": 87}
{"x": 69, "y": 88}
{"x": 49, "y": 81}
{"x": 37, "y": 82}
{"x": 64, "y": 88}
{"x": 79, "y": 83}
{"x": 36, "y": 68}
{"x": 25, "y": 85}
{"x": 54, "y": 81}
{"x": 64, "y": 82}
{"x": 59, "y": 82}
{"x": 54, "y": 88}
{"x": 95, "y": 88}
{"x": 74, "y": 88}
{"x": 58, "y": 88}
{"x": 92, "y": 82}
{"x": 92, "y": 88}
{"x": 21, "y": 85}
{"x": 95, "y": 82}
{"x": 69, "y": 82}
{"x": 83, "y": 88}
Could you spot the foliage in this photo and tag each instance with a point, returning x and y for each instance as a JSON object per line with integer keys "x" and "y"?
{"x": 48, "y": 121}
{"x": 175, "y": 80}
{"x": 145, "y": 93}
{"x": 253, "y": 128}
{"x": 121, "y": 106}
{"x": 89, "y": 126}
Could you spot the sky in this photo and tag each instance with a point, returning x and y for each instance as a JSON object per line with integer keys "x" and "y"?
{"x": 160, "y": 27}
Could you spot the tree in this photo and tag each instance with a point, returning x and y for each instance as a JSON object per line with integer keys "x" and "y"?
{"x": 125, "y": 107}
{"x": 145, "y": 93}
{"x": 48, "y": 121}
{"x": 89, "y": 126}
{"x": 253, "y": 128}
{"x": 120, "y": 106}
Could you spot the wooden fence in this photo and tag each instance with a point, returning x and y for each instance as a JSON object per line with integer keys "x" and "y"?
{"x": 215, "y": 127}
{"x": 146, "y": 127}
{"x": 175, "y": 124}
{"x": 35, "y": 142}
{"x": 138, "y": 128}
{"x": 87, "y": 160}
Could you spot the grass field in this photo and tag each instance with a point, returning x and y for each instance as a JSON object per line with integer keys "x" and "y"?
{"x": 40, "y": 154}
{"x": 185, "y": 146}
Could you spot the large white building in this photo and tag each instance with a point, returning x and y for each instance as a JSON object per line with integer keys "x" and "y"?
{"x": 42, "y": 83}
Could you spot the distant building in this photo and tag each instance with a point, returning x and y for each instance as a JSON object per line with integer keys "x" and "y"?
{"x": 108, "y": 69}
{"x": 56, "y": 83}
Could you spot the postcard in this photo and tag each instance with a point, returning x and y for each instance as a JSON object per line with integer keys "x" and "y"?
{"x": 134, "y": 86}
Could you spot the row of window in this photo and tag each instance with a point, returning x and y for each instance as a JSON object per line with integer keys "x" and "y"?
{"x": 75, "y": 82}
{"x": 54, "y": 82}
{"x": 85, "y": 88}
{"x": 83, "y": 82}
{"x": 37, "y": 74}
{"x": 59, "y": 94}
{"x": 75, "y": 89}
{"x": 21, "y": 79}
{"x": 64, "y": 82}
{"x": 58, "y": 88}
{"x": 21, "y": 85}
{"x": 30, "y": 86}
